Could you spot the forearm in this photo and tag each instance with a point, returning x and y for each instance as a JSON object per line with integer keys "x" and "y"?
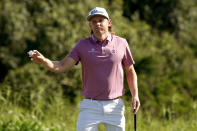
{"x": 54, "y": 66}
{"x": 132, "y": 83}
{"x": 133, "y": 86}
{"x": 59, "y": 66}
{"x": 132, "y": 80}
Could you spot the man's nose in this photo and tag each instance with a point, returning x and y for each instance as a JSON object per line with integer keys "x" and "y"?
{"x": 98, "y": 23}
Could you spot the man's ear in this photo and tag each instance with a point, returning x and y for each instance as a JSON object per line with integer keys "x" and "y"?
{"x": 110, "y": 22}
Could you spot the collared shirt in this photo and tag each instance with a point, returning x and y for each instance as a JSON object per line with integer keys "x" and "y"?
{"x": 97, "y": 41}
{"x": 102, "y": 66}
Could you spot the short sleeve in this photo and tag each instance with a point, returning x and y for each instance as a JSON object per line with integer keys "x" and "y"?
{"x": 127, "y": 59}
{"x": 75, "y": 52}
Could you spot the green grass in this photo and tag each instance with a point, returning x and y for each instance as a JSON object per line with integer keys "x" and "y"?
{"x": 60, "y": 116}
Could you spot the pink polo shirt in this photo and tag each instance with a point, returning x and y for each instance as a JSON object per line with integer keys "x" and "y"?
{"x": 102, "y": 66}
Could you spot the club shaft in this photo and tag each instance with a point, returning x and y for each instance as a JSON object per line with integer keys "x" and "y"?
{"x": 135, "y": 122}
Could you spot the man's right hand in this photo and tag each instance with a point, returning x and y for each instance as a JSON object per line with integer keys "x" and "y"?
{"x": 37, "y": 57}
{"x": 54, "y": 66}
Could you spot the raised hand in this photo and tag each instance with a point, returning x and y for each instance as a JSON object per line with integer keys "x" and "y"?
{"x": 36, "y": 56}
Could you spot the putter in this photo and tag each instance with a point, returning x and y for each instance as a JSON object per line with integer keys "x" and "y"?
{"x": 135, "y": 121}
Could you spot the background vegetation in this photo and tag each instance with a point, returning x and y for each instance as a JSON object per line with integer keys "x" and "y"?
{"x": 162, "y": 39}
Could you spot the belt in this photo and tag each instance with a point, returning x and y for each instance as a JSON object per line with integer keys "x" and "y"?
{"x": 102, "y": 99}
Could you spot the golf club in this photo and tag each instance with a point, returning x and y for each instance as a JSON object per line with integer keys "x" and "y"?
{"x": 135, "y": 121}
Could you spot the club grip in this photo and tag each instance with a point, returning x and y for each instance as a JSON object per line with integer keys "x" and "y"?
{"x": 135, "y": 122}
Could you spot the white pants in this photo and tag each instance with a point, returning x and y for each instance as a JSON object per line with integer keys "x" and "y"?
{"x": 93, "y": 112}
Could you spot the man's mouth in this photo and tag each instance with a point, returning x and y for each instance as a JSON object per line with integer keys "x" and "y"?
{"x": 98, "y": 28}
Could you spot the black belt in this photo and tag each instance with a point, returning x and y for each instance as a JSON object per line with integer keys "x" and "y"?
{"x": 102, "y": 99}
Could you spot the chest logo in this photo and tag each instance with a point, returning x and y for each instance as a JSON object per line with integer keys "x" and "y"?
{"x": 92, "y": 50}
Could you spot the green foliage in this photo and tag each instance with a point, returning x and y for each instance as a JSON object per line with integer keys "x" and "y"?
{"x": 14, "y": 118}
{"x": 161, "y": 35}
{"x": 159, "y": 14}
{"x": 29, "y": 85}
{"x": 163, "y": 70}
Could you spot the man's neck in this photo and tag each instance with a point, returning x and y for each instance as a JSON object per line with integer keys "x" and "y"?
{"x": 101, "y": 37}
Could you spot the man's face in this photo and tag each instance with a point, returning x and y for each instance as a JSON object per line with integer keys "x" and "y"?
{"x": 99, "y": 24}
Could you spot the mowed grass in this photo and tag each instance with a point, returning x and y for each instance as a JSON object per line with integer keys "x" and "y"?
{"x": 63, "y": 117}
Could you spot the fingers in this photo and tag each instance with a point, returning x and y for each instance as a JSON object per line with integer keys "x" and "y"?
{"x": 135, "y": 105}
{"x": 34, "y": 54}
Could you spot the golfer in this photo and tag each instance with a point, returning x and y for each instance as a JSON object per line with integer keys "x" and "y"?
{"x": 104, "y": 57}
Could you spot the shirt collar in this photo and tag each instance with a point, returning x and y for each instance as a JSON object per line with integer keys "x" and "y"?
{"x": 109, "y": 38}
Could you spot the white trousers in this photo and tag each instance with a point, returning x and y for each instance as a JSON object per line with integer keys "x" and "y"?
{"x": 93, "y": 112}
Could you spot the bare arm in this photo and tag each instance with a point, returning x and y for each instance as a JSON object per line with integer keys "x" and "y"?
{"x": 54, "y": 66}
{"x": 132, "y": 82}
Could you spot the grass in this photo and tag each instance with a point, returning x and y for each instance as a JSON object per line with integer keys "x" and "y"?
{"x": 61, "y": 116}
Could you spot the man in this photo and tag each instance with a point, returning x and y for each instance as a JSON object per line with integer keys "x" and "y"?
{"x": 103, "y": 57}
